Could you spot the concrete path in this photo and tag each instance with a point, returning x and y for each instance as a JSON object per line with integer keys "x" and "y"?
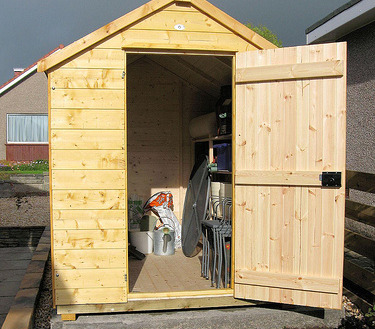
{"x": 13, "y": 265}
{"x": 236, "y": 318}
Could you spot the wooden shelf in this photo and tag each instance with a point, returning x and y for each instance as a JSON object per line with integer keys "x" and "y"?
{"x": 214, "y": 138}
{"x": 222, "y": 172}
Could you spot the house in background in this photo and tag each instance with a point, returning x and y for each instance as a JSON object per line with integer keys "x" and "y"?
{"x": 24, "y": 115}
{"x": 354, "y": 23}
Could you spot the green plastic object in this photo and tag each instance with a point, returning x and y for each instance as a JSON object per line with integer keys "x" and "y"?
{"x": 147, "y": 223}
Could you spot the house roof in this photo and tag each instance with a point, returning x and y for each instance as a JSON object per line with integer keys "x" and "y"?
{"x": 25, "y": 72}
{"x": 144, "y": 11}
{"x": 342, "y": 21}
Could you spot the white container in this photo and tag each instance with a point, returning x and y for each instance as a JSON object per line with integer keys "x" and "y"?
{"x": 225, "y": 193}
{"x": 143, "y": 241}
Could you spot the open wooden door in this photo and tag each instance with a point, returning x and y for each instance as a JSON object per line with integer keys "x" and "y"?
{"x": 290, "y": 123}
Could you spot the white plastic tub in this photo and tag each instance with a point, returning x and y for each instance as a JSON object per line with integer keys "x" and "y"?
{"x": 143, "y": 241}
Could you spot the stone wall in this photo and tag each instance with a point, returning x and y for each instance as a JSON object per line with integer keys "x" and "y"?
{"x": 27, "y": 184}
{"x": 20, "y": 236}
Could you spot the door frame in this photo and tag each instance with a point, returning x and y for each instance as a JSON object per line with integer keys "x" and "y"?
{"x": 135, "y": 296}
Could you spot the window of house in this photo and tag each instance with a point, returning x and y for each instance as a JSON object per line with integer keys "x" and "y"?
{"x": 27, "y": 128}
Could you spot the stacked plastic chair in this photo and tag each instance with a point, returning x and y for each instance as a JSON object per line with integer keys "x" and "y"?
{"x": 217, "y": 231}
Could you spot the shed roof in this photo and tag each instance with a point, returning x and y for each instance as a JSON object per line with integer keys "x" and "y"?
{"x": 145, "y": 11}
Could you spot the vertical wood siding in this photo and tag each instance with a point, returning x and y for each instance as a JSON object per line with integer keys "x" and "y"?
{"x": 290, "y": 234}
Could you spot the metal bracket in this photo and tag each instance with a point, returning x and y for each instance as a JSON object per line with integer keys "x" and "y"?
{"x": 331, "y": 178}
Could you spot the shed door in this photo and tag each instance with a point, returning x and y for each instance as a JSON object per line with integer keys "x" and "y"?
{"x": 290, "y": 122}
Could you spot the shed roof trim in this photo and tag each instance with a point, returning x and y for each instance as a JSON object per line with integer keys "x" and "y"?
{"x": 142, "y": 12}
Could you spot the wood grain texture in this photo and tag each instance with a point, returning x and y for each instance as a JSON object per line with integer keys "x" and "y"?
{"x": 88, "y": 219}
{"x": 88, "y": 199}
{"x": 100, "y": 78}
{"x": 212, "y": 19}
{"x": 88, "y": 179}
{"x": 90, "y": 296}
{"x": 90, "y": 278}
{"x": 87, "y": 139}
{"x": 87, "y": 119}
{"x": 284, "y": 126}
{"x": 88, "y": 159}
{"x": 258, "y": 177}
{"x": 90, "y": 258}
{"x": 291, "y": 71}
{"x": 288, "y": 281}
{"x": 88, "y": 99}
{"x": 89, "y": 239}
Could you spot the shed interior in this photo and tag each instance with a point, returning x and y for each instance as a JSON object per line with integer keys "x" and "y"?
{"x": 164, "y": 92}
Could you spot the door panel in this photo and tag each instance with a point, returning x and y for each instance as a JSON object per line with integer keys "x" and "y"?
{"x": 290, "y": 127}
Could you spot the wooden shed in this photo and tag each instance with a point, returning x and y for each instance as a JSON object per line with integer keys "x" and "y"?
{"x": 120, "y": 101}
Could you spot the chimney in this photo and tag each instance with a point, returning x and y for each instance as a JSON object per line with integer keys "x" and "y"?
{"x": 17, "y": 71}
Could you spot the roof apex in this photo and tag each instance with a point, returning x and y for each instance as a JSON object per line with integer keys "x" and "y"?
{"x": 142, "y": 12}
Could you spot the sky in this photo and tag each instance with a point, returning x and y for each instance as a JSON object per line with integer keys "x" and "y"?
{"x": 29, "y": 29}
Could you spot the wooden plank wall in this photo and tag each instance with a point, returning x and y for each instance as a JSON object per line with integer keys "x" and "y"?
{"x": 200, "y": 33}
{"x": 159, "y": 145}
{"x": 290, "y": 126}
{"x": 88, "y": 178}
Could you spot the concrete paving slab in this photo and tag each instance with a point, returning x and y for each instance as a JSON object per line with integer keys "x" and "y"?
{"x": 2, "y": 319}
{"x": 15, "y": 264}
{"x": 11, "y": 275}
{"x": 9, "y": 289}
{"x": 248, "y": 317}
{"x": 5, "y": 304}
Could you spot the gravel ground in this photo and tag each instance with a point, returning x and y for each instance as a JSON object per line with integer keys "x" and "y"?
{"x": 43, "y": 309}
{"x": 24, "y": 211}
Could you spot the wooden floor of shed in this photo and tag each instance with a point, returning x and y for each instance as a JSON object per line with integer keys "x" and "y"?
{"x": 167, "y": 274}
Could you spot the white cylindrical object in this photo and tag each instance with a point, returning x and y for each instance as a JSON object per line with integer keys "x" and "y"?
{"x": 143, "y": 241}
{"x": 215, "y": 194}
{"x": 203, "y": 126}
{"x": 225, "y": 193}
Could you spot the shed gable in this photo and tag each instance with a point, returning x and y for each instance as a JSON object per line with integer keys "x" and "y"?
{"x": 167, "y": 24}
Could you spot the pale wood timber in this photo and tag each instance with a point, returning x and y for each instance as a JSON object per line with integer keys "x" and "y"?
{"x": 89, "y": 239}
{"x": 232, "y": 24}
{"x": 90, "y": 259}
{"x": 88, "y": 179}
{"x": 300, "y": 178}
{"x": 88, "y": 199}
{"x": 87, "y": 139}
{"x": 278, "y": 280}
{"x": 153, "y": 7}
{"x": 90, "y": 295}
{"x": 162, "y": 276}
{"x": 68, "y": 317}
{"x": 153, "y": 304}
{"x": 88, "y": 99}
{"x": 102, "y": 33}
{"x": 102, "y": 59}
{"x": 100, "y": 78}
{"x": 182, "y": 40}
{"x": 87, "y": 119}
{"x": 88, "y": 159}
{"x": 50, "y": 190}
{"x": 291, "y": 71}
{"x": 88, "y": 219}
{"x": 90, "y": 278}
{"x": 282, "y": 126}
